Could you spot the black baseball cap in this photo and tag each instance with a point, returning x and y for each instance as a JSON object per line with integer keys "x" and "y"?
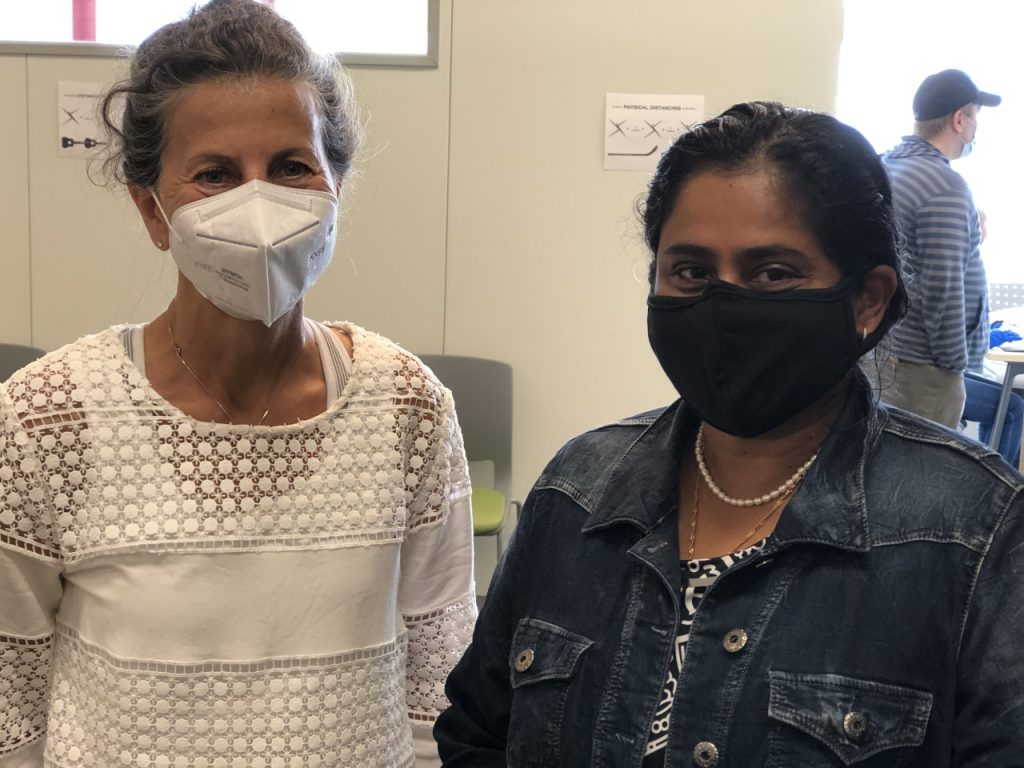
{"x": 947, "y": 91}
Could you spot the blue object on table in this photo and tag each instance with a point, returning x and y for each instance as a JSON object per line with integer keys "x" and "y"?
{"x": 997, "y": 336}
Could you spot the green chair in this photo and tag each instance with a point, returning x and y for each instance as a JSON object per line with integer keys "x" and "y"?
{"x": 482, "y": 390}
{"x": 15, "y": 356}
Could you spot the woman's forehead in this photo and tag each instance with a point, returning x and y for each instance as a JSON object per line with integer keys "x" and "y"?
{"x": 237, "y": 117}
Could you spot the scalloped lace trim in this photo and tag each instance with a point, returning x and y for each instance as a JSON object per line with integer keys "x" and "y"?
{"x": 23, "y": 694}
{"x": 436, "y": 643}
{"x": 339, "y": 710}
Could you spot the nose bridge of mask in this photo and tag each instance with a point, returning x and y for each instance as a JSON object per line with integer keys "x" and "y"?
{"x": 269, "y": 220}
{"x": 736, "y": 320}
{"x": 731, "y": 330}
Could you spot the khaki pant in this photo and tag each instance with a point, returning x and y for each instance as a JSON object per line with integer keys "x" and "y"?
{"x": 935, "y": 393}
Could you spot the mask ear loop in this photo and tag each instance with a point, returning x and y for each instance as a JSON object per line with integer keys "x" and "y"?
{"x": 159, "y": 244}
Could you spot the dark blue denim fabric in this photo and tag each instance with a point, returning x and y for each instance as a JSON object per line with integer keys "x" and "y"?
{"x": 980, "y": 406}
{"x": 884, "y": 617}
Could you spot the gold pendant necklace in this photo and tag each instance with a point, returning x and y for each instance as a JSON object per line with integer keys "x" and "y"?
{"x": 176, "y": 347}
{"x": 780, "y": 502}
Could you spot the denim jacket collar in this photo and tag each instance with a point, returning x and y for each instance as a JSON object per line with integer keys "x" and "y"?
{"x": 829, "y": 507}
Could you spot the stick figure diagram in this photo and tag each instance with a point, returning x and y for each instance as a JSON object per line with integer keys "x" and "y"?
{"x": 663, "y": 132}
{"x": 78, "y": 134}
{"x": 66, "y": 142}
{"x": 639, "y": 127}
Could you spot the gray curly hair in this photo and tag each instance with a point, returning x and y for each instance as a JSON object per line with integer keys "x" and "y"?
{"x": 222, "y": 40}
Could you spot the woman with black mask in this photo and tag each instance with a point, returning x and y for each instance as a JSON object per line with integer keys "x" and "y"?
{"x": 775, "y": 570}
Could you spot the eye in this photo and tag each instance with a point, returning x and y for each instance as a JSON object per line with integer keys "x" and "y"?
{"x": 683, "y": 276}
{"x": 774, "y": 276}
{"x": 692, "y": 272}
{"x": 294, "y": 169}
{"x": 211, "y": 177}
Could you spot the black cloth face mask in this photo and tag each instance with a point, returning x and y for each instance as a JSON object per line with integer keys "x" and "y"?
{"x": 746, "y": 360}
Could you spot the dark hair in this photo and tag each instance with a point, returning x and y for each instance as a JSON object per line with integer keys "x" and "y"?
{"x": 828, "y": 169}
{"x": 223, "y": 40}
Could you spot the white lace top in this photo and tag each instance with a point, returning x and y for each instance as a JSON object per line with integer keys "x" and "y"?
{"x": 178, "y": 593}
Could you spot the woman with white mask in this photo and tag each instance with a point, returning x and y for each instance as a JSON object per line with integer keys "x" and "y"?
{"x": 232, "y": 535}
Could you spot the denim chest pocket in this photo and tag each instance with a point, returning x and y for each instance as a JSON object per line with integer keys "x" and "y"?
{"x": 846, "y": 718}
{"x": 542, "y": 661}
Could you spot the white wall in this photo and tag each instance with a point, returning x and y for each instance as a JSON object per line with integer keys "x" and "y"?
{"x": 388, "y": 270}
{"x": 15, "y": 265}
{"x": 482, "y": 223}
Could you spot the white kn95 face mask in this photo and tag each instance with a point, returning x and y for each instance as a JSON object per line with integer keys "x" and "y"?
{"x": 255, "y": 250}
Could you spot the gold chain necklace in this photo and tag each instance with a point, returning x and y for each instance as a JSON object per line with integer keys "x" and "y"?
{"x": 750, "y": 534}
{"x": 273, "y": 393}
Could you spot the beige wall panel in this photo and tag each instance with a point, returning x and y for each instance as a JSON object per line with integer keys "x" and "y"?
{"x": 389, "y": 265}
{"x": 546, "y": 267}
{"x": 15, "y": 270}
{"x": 92, "y": 263}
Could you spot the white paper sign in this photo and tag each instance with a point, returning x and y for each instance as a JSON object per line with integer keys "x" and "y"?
{"x": 639, "y": 127}
{"x": 78, "y": 134}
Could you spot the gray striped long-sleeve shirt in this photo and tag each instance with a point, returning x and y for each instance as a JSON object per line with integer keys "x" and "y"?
{"x": 947, "y": 325}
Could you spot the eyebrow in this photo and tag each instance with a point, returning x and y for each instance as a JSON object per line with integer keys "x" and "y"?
{"x": 222, "y": 159}
{"x": 756, "y": 253}
{"x": 209, "y": 157}
{"x": 284, "y": 153}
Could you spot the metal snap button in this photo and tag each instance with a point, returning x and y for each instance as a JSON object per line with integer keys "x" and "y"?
{"x": 735, "y": 640}
{"x": 855, "y": 726}
{"x": 705, "y": 755}
{"x": 524, "y": 660}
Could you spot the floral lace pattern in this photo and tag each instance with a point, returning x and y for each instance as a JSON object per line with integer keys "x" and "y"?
{"x": 343, "y": 710}
{"x": 94, "y": 460}
{"x": 436, "y": 643}
{"x": 23, "y": 696}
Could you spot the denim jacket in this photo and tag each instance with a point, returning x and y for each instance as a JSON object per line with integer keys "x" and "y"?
{"x": 882, "y": 621}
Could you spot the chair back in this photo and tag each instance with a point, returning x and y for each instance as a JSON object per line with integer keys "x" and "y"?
{"x": 15, "y": 356}
{"x": 482, "y": 390}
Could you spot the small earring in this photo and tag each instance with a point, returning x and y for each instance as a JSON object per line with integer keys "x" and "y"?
{"x": 864, "y": 334}
{"x": 159, "y": 244}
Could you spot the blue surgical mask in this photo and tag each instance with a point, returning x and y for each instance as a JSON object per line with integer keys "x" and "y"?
{"x": 969, "y": 146}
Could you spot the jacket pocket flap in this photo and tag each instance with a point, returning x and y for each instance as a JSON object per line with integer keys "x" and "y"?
{"x": 854, "y": 718}
{"x": 542, "y": 651}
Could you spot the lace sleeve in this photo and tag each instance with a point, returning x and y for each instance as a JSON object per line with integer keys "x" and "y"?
{"x": 24, "y": 678}
{"x": 436, "y": 594}
{"x": 29, "y": 590}
{"x": 436, "y": 643}
{"x": 26, "y": 517}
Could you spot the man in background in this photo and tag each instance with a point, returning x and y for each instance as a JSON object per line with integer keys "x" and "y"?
{"x": 946, "y": 330}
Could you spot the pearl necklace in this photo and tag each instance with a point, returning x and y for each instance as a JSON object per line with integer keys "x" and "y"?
{"x": 790, "y": 484}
